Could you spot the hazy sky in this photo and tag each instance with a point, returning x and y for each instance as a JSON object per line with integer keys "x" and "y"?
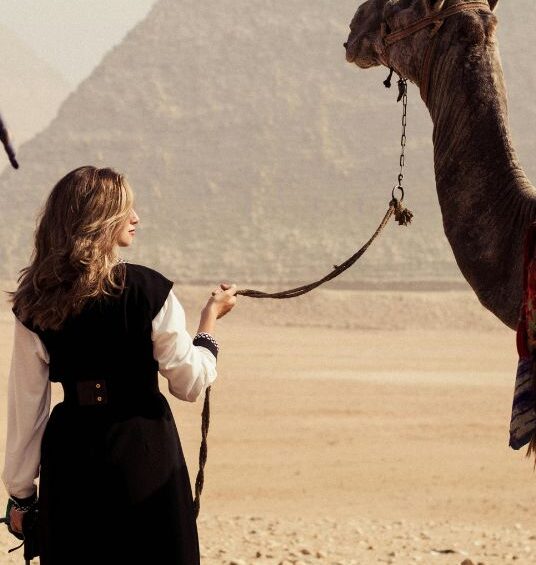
{"x": 72, "y": 35}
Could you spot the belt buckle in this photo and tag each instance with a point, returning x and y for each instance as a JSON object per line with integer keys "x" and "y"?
{"x": 92, "y": 392}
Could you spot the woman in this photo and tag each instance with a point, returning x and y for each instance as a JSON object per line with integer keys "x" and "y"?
{"x": 113, "y": 483}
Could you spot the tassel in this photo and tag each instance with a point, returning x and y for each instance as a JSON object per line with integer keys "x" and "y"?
{"x": 402, "y": 215}
{"x": 387, "y": 81}
{"x": 531, "y": 450}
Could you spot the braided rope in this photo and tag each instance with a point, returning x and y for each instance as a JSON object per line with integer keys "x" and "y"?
{"x": 203, "y": 451}
{"x": 395, "y": 207}
{"x": 402, "y": 216}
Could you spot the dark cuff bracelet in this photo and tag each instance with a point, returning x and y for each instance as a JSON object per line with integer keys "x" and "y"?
{"x": 24, "y": 504}
{"x": 206, "y": 340}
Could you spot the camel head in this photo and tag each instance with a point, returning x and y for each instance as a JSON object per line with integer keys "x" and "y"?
{"x": 376, "y": 18}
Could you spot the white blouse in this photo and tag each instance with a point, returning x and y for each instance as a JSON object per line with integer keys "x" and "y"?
{"x": 189, "y": 369}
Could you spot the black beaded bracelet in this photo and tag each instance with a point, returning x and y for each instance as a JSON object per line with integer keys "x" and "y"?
{"x": 206, "y": 340}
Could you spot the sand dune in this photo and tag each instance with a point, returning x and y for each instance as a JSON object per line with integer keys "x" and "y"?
{"x": 332, "y": 444}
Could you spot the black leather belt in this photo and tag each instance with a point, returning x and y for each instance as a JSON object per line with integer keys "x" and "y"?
{"x": 100, "y": 392}
{"x": 92, "y": 392}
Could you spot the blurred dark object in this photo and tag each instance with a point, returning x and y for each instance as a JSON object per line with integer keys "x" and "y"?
{"x": 4, "y": 137}
{"x": 30, "y": 531}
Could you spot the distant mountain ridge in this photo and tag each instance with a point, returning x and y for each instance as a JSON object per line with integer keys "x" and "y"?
{"x": 255, "y": 151}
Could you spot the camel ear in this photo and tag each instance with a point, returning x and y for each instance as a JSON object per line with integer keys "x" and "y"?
{"x": 433, "y": 5}
{"x": 492, "y": 4}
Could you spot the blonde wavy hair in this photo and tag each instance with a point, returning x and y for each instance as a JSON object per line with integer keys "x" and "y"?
{"x": 73, "y": 259}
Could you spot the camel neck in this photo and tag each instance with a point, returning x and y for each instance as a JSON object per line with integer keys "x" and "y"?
{"x": 485, "y": 197}
{"x": 469, "y": 110}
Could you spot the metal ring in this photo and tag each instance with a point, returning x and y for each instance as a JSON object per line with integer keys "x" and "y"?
{"x": 401, "y": 190}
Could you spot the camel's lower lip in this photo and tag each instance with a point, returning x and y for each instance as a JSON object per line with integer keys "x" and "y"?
{"x": 361, "y": 63}
{"x": 350, "y": 52}
{"x": 364, "y": 64}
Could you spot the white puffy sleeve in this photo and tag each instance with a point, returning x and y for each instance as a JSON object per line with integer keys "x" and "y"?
{"x": 190, "y": 368}
{"x": 28, "y": 410}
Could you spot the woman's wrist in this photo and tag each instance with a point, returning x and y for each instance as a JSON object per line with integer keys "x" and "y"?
{"x": 210, "y": 309}
{"x": 207, "y": 323}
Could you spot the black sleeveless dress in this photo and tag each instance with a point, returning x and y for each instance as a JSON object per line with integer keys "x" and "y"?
{"x": 113, "y": 485}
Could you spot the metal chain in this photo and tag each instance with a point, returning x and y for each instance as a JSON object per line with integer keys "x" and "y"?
{"x": 403, "y": 95}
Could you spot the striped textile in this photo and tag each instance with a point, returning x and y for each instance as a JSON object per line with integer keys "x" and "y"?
{"x": 523, "y": 421}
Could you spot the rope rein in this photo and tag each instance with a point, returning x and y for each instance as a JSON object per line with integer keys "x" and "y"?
{"x": 203, "y": 451}
{"x": 402, "y": 215}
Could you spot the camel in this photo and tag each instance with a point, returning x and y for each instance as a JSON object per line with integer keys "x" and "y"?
{"x": 486, "y": 200}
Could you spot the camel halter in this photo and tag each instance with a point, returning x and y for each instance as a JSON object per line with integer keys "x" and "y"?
{"x": 436, "y": 20}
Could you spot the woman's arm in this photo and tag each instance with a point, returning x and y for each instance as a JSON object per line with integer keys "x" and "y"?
{"x": 28, "y": 410}
{"x": 188, "y": 364}
{"x": 207, "y": 323}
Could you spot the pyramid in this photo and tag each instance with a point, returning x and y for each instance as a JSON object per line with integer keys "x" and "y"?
{"x": 256, "y": 153}
{"x": 31, "y": 89}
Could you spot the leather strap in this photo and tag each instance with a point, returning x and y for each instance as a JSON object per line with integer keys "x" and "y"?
{"x": 436, "y": 20}
{"x": 395, "y": 36}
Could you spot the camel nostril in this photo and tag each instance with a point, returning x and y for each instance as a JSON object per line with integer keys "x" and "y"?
{"x": 345, "y": 45}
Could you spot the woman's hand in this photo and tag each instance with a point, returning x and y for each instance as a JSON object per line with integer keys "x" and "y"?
{"x": 223, "y": 299}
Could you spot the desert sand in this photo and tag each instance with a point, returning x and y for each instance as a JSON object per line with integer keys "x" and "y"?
{"x": 353, "y": 427}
